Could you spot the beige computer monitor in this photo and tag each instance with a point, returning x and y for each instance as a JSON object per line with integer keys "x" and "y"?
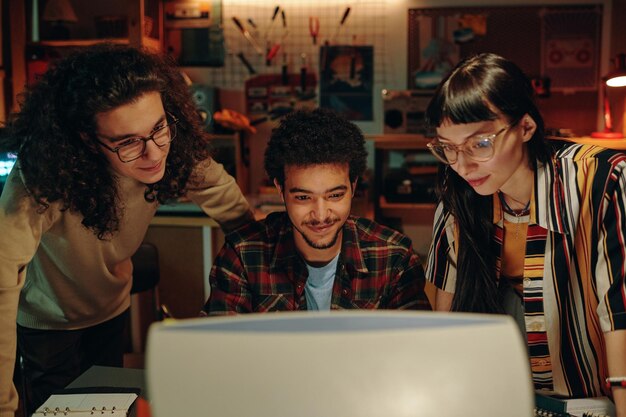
{"x": 340, "y": 364}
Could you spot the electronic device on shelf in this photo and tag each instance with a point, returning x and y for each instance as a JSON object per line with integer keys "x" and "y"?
{"x": 404, "y": 110}
{"x": 400, "y": 186}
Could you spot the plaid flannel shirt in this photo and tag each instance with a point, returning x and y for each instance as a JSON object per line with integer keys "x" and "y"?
{"x": 259, "y": 270}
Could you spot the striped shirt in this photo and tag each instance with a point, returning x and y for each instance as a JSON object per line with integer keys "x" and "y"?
{"x": 574, "y": 266}
{"x": 259, "y": 270}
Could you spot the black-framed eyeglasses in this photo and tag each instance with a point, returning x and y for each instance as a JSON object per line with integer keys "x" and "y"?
{"x": 478, "y": 148}
{"x": 134, "y": 147}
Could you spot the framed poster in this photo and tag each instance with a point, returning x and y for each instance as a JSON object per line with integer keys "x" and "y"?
{"x": 571, "y": 48}
{"x": 347, "y": 80}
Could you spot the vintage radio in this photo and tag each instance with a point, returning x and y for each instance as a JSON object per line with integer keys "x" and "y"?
{"x": 404, "y": 110}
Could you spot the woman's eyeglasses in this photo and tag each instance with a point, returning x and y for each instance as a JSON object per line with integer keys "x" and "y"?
{"x": 478, "y": 148}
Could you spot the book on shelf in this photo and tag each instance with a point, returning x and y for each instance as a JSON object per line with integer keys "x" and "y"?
{"x": 578, "y": 407}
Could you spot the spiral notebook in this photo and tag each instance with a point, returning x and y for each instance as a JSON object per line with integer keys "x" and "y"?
{"x": 579, "y": 407}
{"x": 109, "y": 401}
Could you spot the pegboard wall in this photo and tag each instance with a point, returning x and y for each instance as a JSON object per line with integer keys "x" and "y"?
{"x": 559, "y": 42}
{"x": 365, "y": 25}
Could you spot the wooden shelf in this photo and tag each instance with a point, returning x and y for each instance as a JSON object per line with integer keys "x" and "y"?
{"x": 423, "y": 170}
{"x": 400, "y": 141}
{"x": 150, "y": 43}
{"x": 417, "y": 211}
{"x": 79, "y": 42}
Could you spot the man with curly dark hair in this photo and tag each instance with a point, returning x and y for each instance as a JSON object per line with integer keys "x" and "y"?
{"x": 105, "y": 136}
{"x": 315, "y": 256}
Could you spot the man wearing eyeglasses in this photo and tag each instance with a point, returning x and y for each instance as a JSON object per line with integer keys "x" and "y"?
{"x": 103, "y": 138}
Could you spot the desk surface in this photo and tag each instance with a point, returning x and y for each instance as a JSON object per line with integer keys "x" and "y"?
{"x": 106, "y": 376}
{"x": 189, "y": 214}
{"x": 182, "y": 214}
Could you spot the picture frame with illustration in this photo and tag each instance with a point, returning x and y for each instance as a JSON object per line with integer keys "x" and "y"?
{"x": 347, "y": 80}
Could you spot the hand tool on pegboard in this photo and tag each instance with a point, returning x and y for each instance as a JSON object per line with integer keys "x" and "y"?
{"x": 247, "y": 35}
{"x": 246, "y": 63}
{"x": 346, "y": 13}
{"x": 269, "y": 27}
{"x": 314, "y": 28}
{"x": 273, "y": 50}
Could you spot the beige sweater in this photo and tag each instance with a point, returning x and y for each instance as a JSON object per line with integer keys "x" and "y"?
{"x": 56, "y": 274}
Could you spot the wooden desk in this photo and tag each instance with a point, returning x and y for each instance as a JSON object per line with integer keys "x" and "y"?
{"x": 187, "y": 240}
{"x": 108, "y": 376}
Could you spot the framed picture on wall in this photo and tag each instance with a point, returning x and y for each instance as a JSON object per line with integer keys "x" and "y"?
{"x": 571, "y": 47}
{"x": 347, "y": 80}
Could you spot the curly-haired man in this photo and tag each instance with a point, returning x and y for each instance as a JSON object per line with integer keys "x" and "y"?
{"x": 103, "y": 138}
{"x": 315, "y": 256}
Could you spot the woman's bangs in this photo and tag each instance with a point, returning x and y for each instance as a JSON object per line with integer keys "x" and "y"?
{"x": 466, "y": 104}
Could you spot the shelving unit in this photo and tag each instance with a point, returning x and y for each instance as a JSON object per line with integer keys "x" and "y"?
{"x": 383, "y": 144}
{"x": 145, "y": 29}
{"x": 232, "y": 151}
{"x": 425, "y": 211}
{"x": 413, "y": 217}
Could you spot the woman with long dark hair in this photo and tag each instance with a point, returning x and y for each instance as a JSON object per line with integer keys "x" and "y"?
{"x": 105, "y": 136}
{"x": 524, "y": 229}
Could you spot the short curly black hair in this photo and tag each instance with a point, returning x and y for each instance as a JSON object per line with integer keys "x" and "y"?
{"x": 312, "y": 137}
{"x": 54, "y": 131}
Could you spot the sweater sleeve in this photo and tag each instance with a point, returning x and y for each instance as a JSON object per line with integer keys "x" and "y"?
{"x": 21, "y": 227}
{"x": 219, "y": 196}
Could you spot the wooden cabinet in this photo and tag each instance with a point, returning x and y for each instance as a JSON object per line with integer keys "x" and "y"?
{"x": 141, "y": 25}
{"x": 186, "y": 246}
{"x": 412, "y": 213}
{"x": 232, "y": 151}
{"x": 137, "y": 22}
{"x": 404, "y": 145}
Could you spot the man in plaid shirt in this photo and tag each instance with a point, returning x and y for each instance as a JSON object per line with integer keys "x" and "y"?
{"x": 315, "y": 256}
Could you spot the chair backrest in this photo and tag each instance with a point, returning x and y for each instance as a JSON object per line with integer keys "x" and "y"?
{"x": 145, "y": 268}
{"x": 145, "y": 305}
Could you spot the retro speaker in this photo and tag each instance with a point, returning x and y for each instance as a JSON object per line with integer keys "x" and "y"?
{"x": 204, "y": 98}
{"x": 404, "y": 111}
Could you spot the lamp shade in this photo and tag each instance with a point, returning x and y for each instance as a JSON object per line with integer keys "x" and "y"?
{"x": 59, "y": 11}
{"x": 617, "y": 77}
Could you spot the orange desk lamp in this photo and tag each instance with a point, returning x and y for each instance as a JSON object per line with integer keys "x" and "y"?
{"x": 615, "y": 78}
